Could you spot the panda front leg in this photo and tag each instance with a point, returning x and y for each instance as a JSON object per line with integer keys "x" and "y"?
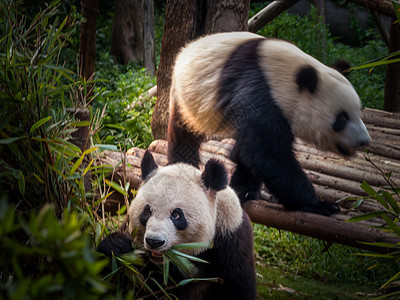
{"x": 183, "y": 144}
{"x": 269, "y": 156}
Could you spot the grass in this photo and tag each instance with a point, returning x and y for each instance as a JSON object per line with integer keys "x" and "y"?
{"x": 298, "y": 262}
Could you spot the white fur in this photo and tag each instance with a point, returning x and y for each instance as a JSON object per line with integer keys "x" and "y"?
{"x": 196, "y": 77}
{"x": 180, "y": 186}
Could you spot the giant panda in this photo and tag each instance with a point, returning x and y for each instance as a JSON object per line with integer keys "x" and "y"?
{"x": 263, "y": 92}
{"x": 180, "y": 204}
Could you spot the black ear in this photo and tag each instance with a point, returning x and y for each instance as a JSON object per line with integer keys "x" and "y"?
{"x": 148, "y": 165}
{"x": 307, "y": 78}
{"x": 215, "y": 176}
{"x": 342, "y": 66}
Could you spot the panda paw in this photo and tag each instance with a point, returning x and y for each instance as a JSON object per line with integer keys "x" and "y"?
{"x": 324, "y": 208}
{"x": 245, "y": 193}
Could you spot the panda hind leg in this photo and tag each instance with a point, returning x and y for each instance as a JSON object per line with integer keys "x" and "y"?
{"x": 183, "y": 144}
{"x": 243, "y": 182}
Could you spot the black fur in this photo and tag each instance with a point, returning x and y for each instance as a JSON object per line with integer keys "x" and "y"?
{"x": 341, "y": 121}
{"x": 116, "y": 243}
{"x": 307, "y": 78}
{"x": 145, "y": 215}
{"x": 148, "y": 165}
{"x": 183, "y": 145}
{"x": 342, "y": 66}
{"x": 231, "y": 258}
{"x": 179, "y": 219}
{"x": 264, "y": 139}
{"x": 214, "y": 176}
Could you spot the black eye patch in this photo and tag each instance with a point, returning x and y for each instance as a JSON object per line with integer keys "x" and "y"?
{"x": 145, "y": 215}
{"x": 341, "y": 120}
{"x": 178, "y": 218}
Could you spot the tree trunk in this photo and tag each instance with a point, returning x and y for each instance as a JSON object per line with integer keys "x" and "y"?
{"x": 126, "y": 36}
{"x": 87, "y": 43}
{"x": 132, "y": 37}
{"x": 392, "y": 85}
{"x": 185, "y": 21}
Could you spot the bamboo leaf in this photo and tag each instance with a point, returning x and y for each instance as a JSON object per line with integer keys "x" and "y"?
{"x": 190, "y": 280}
{"x": 368, "y": 189}
{"x": 367, "y": 216}
{"x": 38, "y": 124}
{"x": 115, "y": 186}
{"x": 190, "y": 257}
{"x": 11, "y": 140}
{"x": 21, "y": 183}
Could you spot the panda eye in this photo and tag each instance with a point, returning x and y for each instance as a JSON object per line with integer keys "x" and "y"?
{"x": 145, "y": 215}
{"x": 340, "y": 122}
{"x": 175, "y": 216}
{"x": 178, "y": 218}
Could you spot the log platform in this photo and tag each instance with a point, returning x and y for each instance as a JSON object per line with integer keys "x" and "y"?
{"x": 334, "y": 178}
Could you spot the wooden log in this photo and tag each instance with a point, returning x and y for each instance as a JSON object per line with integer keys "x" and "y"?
{"x": 381, "y": 118}
{"x": 317, "y": 226}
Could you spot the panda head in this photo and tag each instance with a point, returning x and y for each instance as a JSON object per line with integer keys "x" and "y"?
{"x": 175, "y": 205}
{"x": 331, "y": 106}
{"x": 319, "y": 102}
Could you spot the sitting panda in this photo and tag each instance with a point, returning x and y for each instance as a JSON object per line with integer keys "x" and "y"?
{"x": 262, "y": 92}
{"x": 180, "y": 204}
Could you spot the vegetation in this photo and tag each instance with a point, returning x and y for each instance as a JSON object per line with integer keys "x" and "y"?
{"x": 49, "y": 222}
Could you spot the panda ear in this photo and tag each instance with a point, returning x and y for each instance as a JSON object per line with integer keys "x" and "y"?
{"x": 215, "y": 176}
{"x": 148, "y": 165}
{"x": 307, "y": 79}
{"x": 342, "y": 66}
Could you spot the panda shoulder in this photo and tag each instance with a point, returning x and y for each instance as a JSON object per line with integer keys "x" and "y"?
{"x": 229, "y": 211}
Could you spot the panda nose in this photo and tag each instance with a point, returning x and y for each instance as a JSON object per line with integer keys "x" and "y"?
{"x": 364, "y": 143}
{"x": 154, "y": 243}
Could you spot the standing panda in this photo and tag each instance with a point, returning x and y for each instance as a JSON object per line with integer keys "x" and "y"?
{"x": 263, "y": 92}
{"x": 180, "y": 204}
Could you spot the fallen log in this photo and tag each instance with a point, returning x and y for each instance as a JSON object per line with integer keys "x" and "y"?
{"x": 317, "y": 226}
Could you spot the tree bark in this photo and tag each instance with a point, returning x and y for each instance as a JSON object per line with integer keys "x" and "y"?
{"x": 87, "y": 43}
{"x": 392, "y": 84}
{"x": 132, "y": 37}
{"x": 185, "y": 21}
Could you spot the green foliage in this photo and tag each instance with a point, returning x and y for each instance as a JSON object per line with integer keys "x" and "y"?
{"x": 308, "y": 34}
{"x": 144, "y": 277}
{"x": 37, "y": 157}
{"x": 44, "y": 257}
{"x": 389, "y": 199}
{"x": 305, "y": 257}
{"x": 128, "y": 118}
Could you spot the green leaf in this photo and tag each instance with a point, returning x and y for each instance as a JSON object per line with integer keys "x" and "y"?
{"x": 21, "y": 183}
{"x": 368, "y": 189}
{"x": 165, "y": 269}
{"x": 367, "y": 216}
{"x": 389, "y": 198}
{"x": 115, "y": 186}
{"x": 199, "y": 245}
{"x": 190, "y": 257}
{"x": 396, "y": 7}
{"x": 190, "y": 280}
{"x": 11, "y": 140}
{"x": 38, "y": 124}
